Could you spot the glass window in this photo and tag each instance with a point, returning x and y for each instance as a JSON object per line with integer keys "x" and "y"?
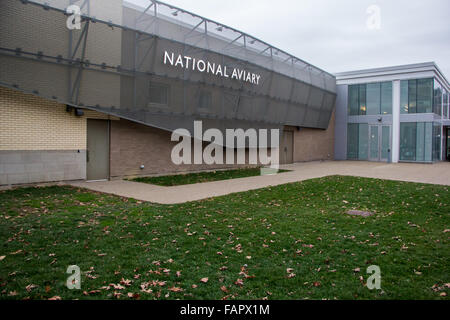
{"x": 353, "y": 100}
{"x": 412, "y": 96}
{"x": 158, "y": 93}
{"x": 363, "y": 142}
{"x": 205, "y": 100}
{"x": 357, "y": 141}
{"x": 416, "y": 96}
{"x": 445, "y": 111}
{"x": 437, "y": 106}
{"x": 404, "y": 96}
{"x": 373, "y": 98}
{"x": 370, "y": 99}
{"x": 352, "y": 141}
{"x": 362, "y": 100}
{"x": 416, "y": 141}
{"x": 386, "y": 98}
{"x": 408, "y": 136}
{"x": 428, "y": 141}
{"x": 424, "y": 95}
{"x": 436, "y": 142}
{"x": 420, "y": 142}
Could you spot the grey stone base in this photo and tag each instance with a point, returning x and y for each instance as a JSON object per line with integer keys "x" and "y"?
{"x": 22, "y": 167}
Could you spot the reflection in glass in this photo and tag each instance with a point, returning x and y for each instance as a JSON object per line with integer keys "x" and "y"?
{"x": 386, "y": 97}
{"x": 373, "y": 98}
{"x": 363, "y": 143}
{"x": 352, "y": 141}
{"x": 373, "y": 142}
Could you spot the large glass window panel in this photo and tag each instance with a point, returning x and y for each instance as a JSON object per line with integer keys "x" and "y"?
{"x": 373, "y": 139}
{"x": 420, "y": 142}
{"x": 408, "y": 136}
{"x": 412, "y": 96}
{"x": 362, "y": 100}
{"x": 386, "y": 97}
{"x": 385, "y": 142}
{"x": 445, "y": 111}
{"x": 437, "y": 105}
{"x": 424, "y": 95}
{"x": 404, "y": 104}
{"x": 363, "y": 142}
{"x": 428, "y": 141}
{"x": 436, "y": 142}
{"x": 353, "y": 100}
{"x": 373, "y": 98}
{"x": 352, "y": 141}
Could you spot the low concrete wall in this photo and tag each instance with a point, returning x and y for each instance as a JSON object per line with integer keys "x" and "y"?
{"x": 22, "y": 167}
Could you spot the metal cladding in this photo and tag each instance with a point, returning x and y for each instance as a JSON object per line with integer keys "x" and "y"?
{"x": 159, "y": 65}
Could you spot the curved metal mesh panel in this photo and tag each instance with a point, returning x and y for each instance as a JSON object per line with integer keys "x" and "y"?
{"x": 115, "y": 63}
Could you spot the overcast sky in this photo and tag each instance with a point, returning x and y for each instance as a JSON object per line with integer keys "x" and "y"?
{"x": 334, "y": 35}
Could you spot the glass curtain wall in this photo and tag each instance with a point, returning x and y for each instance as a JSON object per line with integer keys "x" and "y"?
{"x": 445, "y": 105}
{"x": 416, "y": 141}
{"x": 358, "y": 141}
{"x": 416, "y": 96}
{"x": 437, "y": 106}
{"x": 436, "y": 141}
{"x": 370, "y": 99}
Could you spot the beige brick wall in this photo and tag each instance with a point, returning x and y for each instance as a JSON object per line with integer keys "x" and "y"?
{"x": 28, "y": 122}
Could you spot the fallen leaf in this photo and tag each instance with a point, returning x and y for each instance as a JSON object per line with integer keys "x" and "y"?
{"x": 239, "y": 282}
{"x": 224, "y": 289}
{"x": 30, "y": 287}
{"x": 55, "y": 298}
{"x": 204, "y": 280}
{"x": 2, "y": 257}
{"x": 175, "y": 289}
{"x": 125, "y": 282}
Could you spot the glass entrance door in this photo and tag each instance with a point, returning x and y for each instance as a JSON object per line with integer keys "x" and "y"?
{"x": 379, "y": 143}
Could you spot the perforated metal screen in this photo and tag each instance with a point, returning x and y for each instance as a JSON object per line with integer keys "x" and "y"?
{"x": 115, "y": 63}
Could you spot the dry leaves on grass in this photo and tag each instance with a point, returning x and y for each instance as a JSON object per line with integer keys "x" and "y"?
{"x": 239, "y": 282}
{"x": 204, "y": 280}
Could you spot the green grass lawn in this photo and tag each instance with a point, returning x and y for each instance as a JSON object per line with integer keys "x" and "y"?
{"x": 191, "y": 178}
{"x": 287, "y": 242}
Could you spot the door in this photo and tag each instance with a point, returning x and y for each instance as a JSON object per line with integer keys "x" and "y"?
{"x": 287, "y": 148}
{"x": 379, "y": 143}
{"x": 97, "y": 150}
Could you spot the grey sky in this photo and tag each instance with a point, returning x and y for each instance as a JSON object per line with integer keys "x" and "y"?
{"x": 333, "y": 34}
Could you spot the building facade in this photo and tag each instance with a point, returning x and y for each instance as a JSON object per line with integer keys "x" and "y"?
{"x": 98, "y": 97}
{"x": 96, "y": 94}
{"x": 395, "y": 114}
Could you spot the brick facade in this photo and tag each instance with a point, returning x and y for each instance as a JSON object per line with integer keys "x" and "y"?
{"x": 314, "y": 144}
{"x": 40, "y": 141}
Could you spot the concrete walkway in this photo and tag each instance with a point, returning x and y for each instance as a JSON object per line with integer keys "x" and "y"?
{"x": 425, "y": 173}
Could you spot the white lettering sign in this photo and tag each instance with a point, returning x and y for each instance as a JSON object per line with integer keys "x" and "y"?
{"x": 200, "y": 65}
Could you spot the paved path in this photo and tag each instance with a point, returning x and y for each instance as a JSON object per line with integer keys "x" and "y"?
{"x": 438, "y": 173}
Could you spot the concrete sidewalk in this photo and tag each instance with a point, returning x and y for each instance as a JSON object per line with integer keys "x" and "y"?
{"x": 438, "y": 173}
